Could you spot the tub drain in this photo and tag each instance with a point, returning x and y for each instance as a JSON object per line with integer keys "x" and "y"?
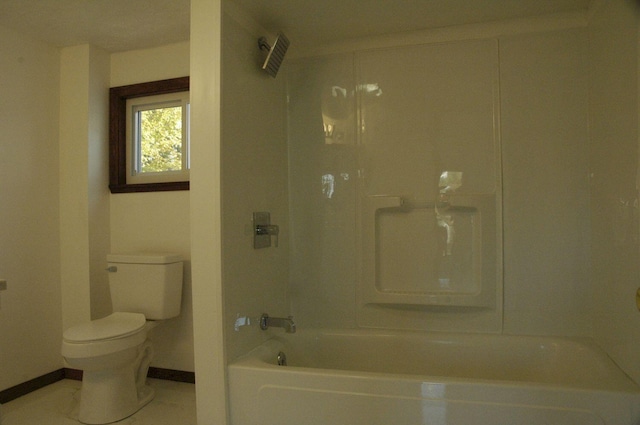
{"x": 282, "y": 359}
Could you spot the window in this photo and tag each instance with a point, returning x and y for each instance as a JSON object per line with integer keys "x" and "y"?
{"x": 157, "y": 138}
{"x": 149, "y": 136}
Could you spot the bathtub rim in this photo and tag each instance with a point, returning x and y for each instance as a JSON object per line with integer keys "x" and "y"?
{"x": 263, "y": 357}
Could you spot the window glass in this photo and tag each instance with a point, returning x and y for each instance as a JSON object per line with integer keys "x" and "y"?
{"x": 158, "y": 138}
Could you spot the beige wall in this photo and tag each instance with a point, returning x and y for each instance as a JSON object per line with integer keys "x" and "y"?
{"x": 30, "y": 310}
{"x": 60, "y": 219}
{"x": 95, "y": 222}
{"x": 156, "y": 221}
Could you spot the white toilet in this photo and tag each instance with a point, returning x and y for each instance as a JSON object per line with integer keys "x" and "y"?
{"x": 114, "y": 352}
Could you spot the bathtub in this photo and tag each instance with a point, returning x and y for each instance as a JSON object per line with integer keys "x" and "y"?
{"x": 405, "y": 378}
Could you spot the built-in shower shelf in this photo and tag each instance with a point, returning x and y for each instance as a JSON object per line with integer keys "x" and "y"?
{"x": 395, "y": 229}
{"x": 3, "y": 285}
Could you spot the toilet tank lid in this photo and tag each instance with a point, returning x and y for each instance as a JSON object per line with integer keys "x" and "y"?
{"x": 144, "y": 258}
{"x": 116, "y": 325}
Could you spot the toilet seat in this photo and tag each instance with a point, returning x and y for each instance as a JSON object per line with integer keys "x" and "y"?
{"x": 116, "y": 325}
{"x": 108, "y": 335}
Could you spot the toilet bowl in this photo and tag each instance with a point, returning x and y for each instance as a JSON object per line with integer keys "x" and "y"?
{"x": 114, "y": 352}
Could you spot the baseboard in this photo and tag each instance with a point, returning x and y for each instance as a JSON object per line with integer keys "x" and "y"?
{"x": 172, "y": 375}
{"x": 154, "y": 372}
{"x": 31, "y": 385}
{"x": 75, "y": 374}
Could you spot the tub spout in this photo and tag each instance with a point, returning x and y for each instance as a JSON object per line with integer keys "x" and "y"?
{"x": 286, "y": 323}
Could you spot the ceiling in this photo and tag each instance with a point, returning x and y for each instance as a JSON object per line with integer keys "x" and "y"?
{"x": 119, "y": 25}
{"x": 329, "y": 21}
{"x": 114, "y": 25}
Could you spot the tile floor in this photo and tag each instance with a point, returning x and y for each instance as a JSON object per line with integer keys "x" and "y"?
{"x": 57, "y": 404}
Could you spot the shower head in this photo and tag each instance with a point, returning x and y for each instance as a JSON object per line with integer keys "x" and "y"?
{"x": 276, "y": 53}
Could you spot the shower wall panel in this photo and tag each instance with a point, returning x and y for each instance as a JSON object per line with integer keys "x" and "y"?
{"x": 394, "y": 165}
{"x": 323, "y": 175}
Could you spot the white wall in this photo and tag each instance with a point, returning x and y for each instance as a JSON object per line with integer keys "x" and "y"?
{"x": 84, "y": 202}
{"x": 59, "y": 219}
{"x": 30, "y": 310}
{"x": 98, "y": 178}
{"x": 254, "y": 178}
{"x": 157, "y": 221}
{"x": 206, "y": 217}
{"x": 614, "y": 132}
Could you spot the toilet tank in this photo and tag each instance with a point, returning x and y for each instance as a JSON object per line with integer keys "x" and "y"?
{"x": 150, "y": 284}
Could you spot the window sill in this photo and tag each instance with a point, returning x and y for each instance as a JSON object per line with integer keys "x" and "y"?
{"x": 148, "y": 187}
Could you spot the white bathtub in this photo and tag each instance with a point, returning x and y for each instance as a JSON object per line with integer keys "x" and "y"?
{"x": 398, "y": 378}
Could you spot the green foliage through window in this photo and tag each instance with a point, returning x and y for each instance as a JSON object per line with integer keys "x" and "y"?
{"x": 161, "y": 139}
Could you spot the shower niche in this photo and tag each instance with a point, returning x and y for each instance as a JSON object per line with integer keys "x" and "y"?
{"x": 420, "y": 253}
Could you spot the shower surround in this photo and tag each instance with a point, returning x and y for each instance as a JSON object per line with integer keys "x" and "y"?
{"x": 402, "y": 161}
{"x": 489, "y": 148}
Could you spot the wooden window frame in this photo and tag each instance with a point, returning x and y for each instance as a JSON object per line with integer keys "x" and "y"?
{"x": 117, "y": 133}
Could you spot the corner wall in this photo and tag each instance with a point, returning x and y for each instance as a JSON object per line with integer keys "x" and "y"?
{"x": 614, "y": 133}
{"x": 84, "y": 201}
{"x": 74, "y": 180}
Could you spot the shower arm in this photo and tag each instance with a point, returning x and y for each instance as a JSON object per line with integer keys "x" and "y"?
{"x": 263, "y": 44}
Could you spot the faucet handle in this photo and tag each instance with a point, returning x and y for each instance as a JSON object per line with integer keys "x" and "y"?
{"x": 263, "y": 230}
{"x": 275, "y": 232}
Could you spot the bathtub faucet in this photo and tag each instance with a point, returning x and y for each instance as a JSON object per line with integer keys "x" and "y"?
{"x": 286, "y": 323}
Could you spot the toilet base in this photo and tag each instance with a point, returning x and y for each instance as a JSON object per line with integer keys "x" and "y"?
{"x": 112, "y": 394}
{"x": 107, "y": 399}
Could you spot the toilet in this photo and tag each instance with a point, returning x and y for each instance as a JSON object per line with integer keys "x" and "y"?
{"x": 114, "y": 352}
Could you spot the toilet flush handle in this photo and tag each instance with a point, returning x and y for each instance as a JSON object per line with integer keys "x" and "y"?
{"x": 112, "y": 269}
